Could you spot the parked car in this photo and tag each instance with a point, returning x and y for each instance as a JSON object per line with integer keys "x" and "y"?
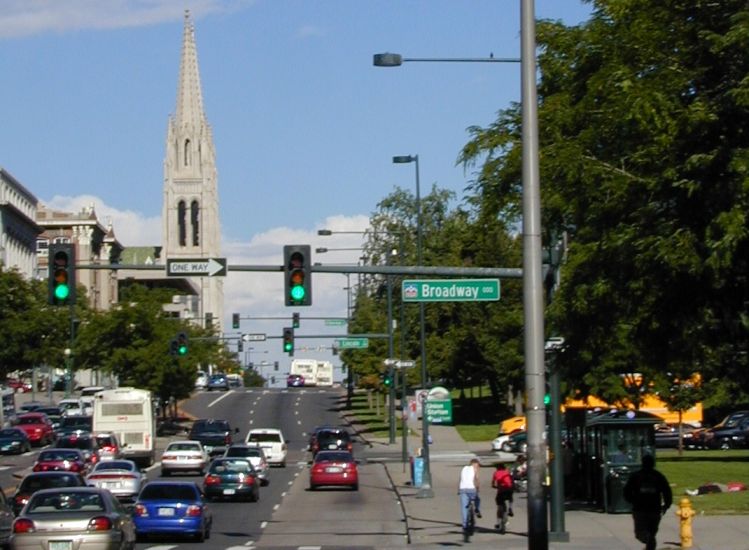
{"x": 14, "y": 441}
{"x": 218, "y": 382}
{"x": 30, "y": 406}
{"x": 231, "y": 478}
{"x": 75, "y": 425}
{"x": 36, "y": 481}
{"x": 295, "y": 381}
{"x": 56, "y": 460}
{"x": 109, "y": 446}
{"x": 89, "y": 516}
{"x": 183, "y": 456}
{"x": 19, "y": 386}
{"x": 272, "y": 442}
{"x": 122, "y": 478}
{"x": 38, "y": 428}
{"x": 172, "y": 507}
{"x": 332, "y": 439}
{"x": 730, "y": 433}
{"x": 255, "y": 455}
{"x": 85, "y": 443}
{"x": 667, "y": 436}
{"x": 336, "y": 468}
{"x": 214, "y": 434}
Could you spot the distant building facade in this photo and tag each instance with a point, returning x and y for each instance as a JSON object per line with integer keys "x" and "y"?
{"x": 18, "y": 228}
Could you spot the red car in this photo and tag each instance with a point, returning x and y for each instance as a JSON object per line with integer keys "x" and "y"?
{"x": 18, "y": 386}
{"x": 38, "y": 428}
{"x": 334, "y": 468}
{"x": 61, "y": 460}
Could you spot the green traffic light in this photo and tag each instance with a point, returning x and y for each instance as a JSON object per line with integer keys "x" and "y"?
{"x": 62, "y": 292}
{"x": 287, "y": 346}
{"x": 547, "y": 399}
{"x": 182, "y": 350}
{"x": 297, "y": 293}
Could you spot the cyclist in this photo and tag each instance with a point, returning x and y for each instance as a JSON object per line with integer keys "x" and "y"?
{"x": 502, "y": 481}
{"x": 468, "y": 489}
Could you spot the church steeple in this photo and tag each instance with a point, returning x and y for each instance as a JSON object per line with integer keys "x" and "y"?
{"x": 189, "y": 95}
{"x": 190, "y": 218}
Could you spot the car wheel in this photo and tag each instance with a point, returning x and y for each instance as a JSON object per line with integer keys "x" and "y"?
{"x": 164, "y": 473}
{"x": 506, "y": 447}
{"x": 312, "y": 487}
{"x": 523, "y": 447}
{"x": 200, "y": 537}
{"x": 255, "y": 496}
{"x": 283, "y": 464}
{"x": 355, "y": 487}
{"x": 725, "y": 444}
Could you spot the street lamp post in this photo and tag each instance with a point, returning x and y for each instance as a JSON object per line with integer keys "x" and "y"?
{"x": 426, "y": 485}
{"x": 533, "y": 314}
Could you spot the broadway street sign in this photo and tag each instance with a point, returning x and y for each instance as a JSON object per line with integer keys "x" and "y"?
{"x": 451, "y": 290}
{"x": 199, "y": 267}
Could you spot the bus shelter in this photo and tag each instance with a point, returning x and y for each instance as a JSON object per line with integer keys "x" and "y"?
{"x": 605, "y": 447}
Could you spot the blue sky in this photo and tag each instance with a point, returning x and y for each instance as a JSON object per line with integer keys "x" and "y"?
{"x": 304, "y": 126}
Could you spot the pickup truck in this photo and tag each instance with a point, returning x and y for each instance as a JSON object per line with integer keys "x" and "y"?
{"x": 215, "y": 435}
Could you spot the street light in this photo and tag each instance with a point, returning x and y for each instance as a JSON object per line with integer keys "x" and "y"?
{"x": 323, "y": 250}
{"x": 396, "y": 59}
{"x": 426, "y": 485}
{"x": 533, "y": 313}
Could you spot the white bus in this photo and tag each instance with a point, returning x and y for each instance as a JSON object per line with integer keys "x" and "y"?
{"x": 316, "y": 373}
{"x": 129, "y": 414}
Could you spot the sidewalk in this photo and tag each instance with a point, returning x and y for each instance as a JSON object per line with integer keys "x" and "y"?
{"x": 435, "y": 522}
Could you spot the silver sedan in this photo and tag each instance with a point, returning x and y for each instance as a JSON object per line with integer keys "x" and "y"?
{"x": 121, "y": 477}
{"x": 73, "y": 518}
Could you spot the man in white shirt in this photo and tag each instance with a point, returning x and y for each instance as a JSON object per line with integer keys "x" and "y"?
{"x": 468, "y": 488}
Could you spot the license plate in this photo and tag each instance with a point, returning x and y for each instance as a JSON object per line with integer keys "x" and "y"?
{"x": 229, "y": 491}
{"x": 61, "y": 545}
{"x": 112, "y": 485}
{"x": 332, "y": 446}
{"x": 162, "y": 512}
{"x": 334, "y": 470}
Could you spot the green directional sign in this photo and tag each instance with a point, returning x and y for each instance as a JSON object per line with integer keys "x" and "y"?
{"x": 451, "y": 290}
{"x": 335, "y": 322}
{"x": 352, "y": 343}
{"x": 439, "y": 411}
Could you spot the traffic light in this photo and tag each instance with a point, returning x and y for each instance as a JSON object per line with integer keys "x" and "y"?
{"x": 209, "y": 320}
{"x": 288, "y": 340}
{"x": 387, "y": 379}
{"x": 297, "y": 275}
{"x": 61, "y": 274}
{"x": 182, "y": 343}
{"x": 173, "y": 346}
{"x": 295, "y": 320}
{"x": 240, "y": 346}
{"x": 235, "y": 320}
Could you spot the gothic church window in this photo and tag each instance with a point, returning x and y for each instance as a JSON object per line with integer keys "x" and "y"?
{"x": 181, "y": 223}
{"x": 188, "y": 155}
{"x": 194, "y": 220}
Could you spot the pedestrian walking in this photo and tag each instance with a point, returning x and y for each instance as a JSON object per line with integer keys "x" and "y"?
{"x": 468, "y": 489}
{"x": 502, "y": 481}
{"x": 650, "y": 495}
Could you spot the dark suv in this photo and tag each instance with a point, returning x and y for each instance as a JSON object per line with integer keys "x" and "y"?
{"x": 731, "y": 433}
{"x": 86, "y": 443}
{"x": 333, "y": 439}
{"x": 215, "y": 435}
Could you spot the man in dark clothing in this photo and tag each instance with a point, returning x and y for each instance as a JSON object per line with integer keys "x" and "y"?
{"x": 650, "y": 495}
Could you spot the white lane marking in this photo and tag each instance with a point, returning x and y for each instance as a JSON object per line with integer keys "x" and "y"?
{"x": 4, "y": 467}
{"x": 283, "y": 494}
{"x": 299, "y": 422}
{"x": 212, "y": 403}
{"x": 276, "y": 507}
{"x": 309, "y": 548}
{"x": 163, "y": 547}
{"x": 251, "y": 421}
{"x": 296, "y": 412}
{"x": 291, "y": 483}
{"x": 263, "y": 525}
{"x": 252, "y": 411}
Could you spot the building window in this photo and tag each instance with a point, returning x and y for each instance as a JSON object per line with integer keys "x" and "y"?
{"x": 194, "y": 220}
{"x": 181, "y": 223}
{"x": 61, "y": 240}
{"x": 42, "y": 247}
{"x": 187, "y": 153}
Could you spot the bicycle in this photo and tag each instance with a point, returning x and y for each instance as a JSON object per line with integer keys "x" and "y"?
{"x": 502, "y": 515}
{"x": 470, "y": 526}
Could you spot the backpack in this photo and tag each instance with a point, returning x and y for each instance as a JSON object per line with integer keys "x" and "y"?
{"x": 505, "y": 482}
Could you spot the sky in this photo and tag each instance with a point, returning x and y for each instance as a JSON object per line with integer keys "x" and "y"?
{"x": 304, "y": 126}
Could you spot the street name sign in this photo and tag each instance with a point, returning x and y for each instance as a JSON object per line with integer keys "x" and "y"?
{"x": 352, "y": 343}
{"x": 335, "y": 322}
{"x": 404, "y": 364}
{"x": 197, "y": 267}
{"x": 253, "y": 337}
{"x": 450, "y": 290}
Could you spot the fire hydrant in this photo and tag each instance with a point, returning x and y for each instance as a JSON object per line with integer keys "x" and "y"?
{"x": 685, "y": 513}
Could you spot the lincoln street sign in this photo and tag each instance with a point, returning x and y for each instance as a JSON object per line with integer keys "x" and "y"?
{"x": 450, "y": 290}
{"x": 352, "y": 343}
{"x": 198, "y": 267}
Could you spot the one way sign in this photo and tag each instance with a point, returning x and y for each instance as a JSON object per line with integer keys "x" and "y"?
{"x": 199, "y": 267}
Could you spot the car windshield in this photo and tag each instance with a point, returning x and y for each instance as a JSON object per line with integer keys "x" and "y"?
{"x": 213, "y": 426}
{"x": 264, "y": 438}
{"x": 66, "y": 501}
{"x": 114, "y": 465}
{"x": 105, "y": 440}
{"x": 183, "y": 447}
{"x": 230, "y": 466}
{"x": 327, "y": 436}
{"x": 10, "y": 433}
{"x": 326, "y": 456}
{"x": 30, "y": 420}
{"x": 75, "y": 443}
{"x": 244, "y": 451}
{"x": 77, "y": 422}
{"x": 33, "y": 483}
{"x": 163, "y": 491}
{"x": 52, "y": 456}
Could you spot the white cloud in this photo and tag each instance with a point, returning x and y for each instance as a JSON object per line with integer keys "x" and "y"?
{"x": 24, "y": 17}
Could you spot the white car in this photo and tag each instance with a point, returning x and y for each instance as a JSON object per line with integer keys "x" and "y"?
{"x": 201, "y": 381}
{"x": 121, "y": 477}
{"x": 272, "y": 442}
{"x": 184, "y": 456}
{"x": 71, "y": 407}
{"x": 499, "y": 441}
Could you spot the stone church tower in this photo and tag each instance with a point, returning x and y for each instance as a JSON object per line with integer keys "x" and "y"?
{"x": 190, "y": 216}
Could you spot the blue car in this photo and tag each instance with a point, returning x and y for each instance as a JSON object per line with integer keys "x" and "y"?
{"x": 15, "y": 441}
{"x": 172, "y": 508}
